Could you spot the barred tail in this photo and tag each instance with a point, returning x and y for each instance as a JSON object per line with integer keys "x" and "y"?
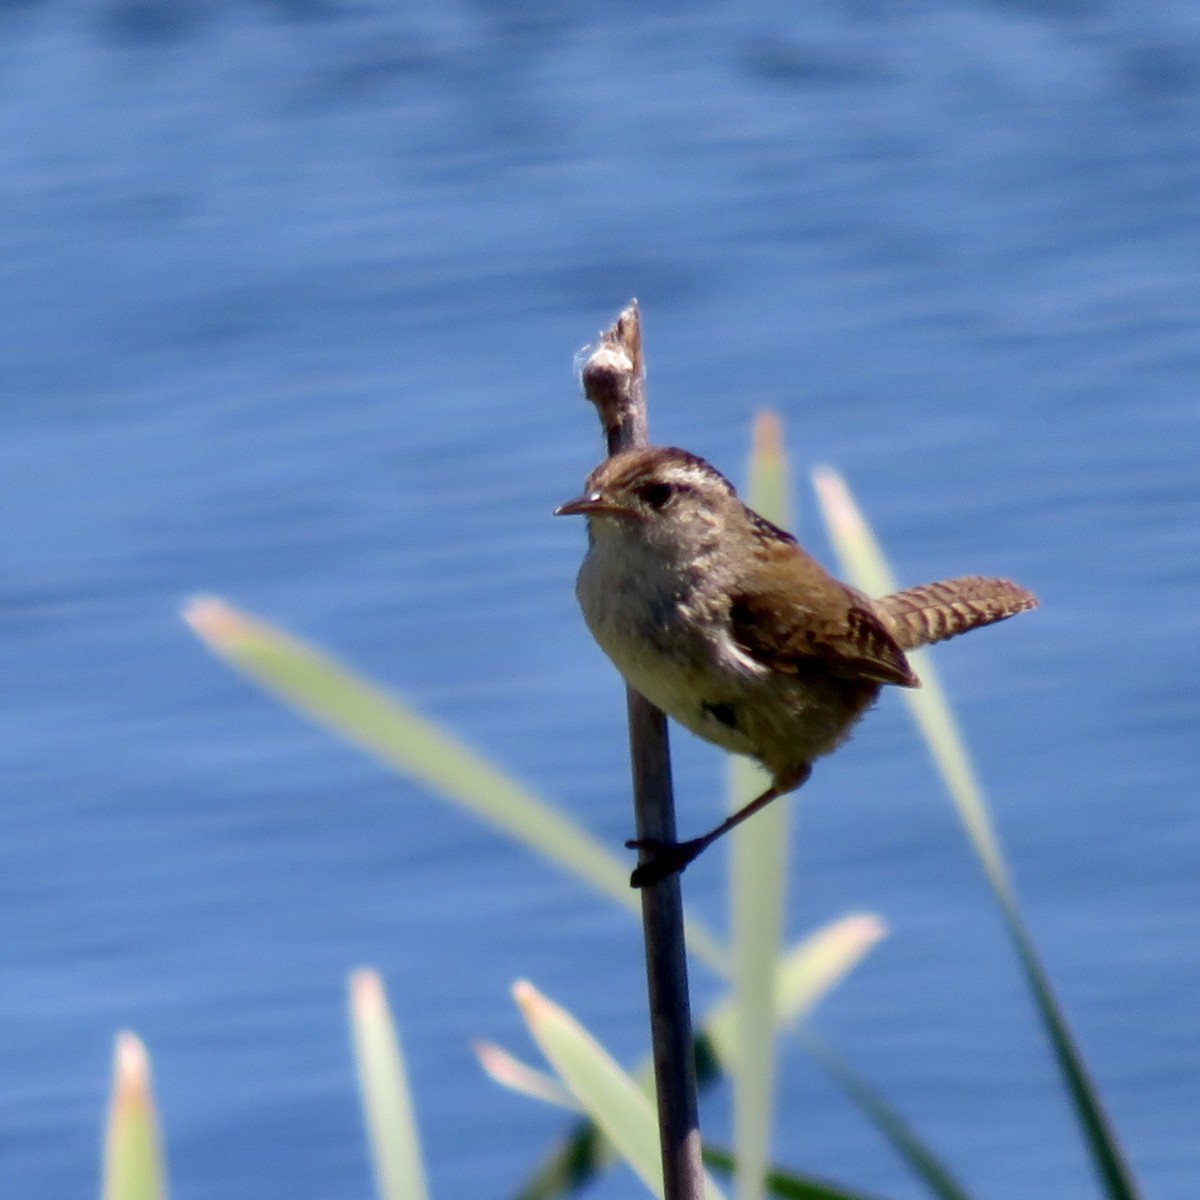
{"x": 931, "y": 613}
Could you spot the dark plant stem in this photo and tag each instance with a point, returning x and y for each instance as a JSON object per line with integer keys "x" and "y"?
{"x": 614, "y": 381}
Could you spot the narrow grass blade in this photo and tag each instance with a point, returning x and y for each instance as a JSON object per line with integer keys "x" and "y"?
{"x": 864, "y": 563}
{"x": 328, "y": 693}
{"x": 865, "y": 566}
{"x": 509, "y": 1071}
{"x": 784, "y": 1184}
{"x": 917, "y": 1156}
{"x": 757, "y": 889}
{"x": 134, "y": 1168}
{"x": 805, "y": 974}
{"x": 590, "y": 1153}
{"x": 383, "y": 1087}
{"x": 602, "y": 1088}
{"x": 1107, "y": 1155}
{"x": 594, "y": 1154}
{"x": 572, "y": 1165}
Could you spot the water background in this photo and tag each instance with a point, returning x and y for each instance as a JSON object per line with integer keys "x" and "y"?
{"x": 289, "y": 297}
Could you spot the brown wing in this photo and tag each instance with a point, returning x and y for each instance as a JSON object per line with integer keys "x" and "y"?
{"x": 804, "y": 622}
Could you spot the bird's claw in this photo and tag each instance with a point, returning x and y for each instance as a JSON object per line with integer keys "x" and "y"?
{"x": 665, "y": 859}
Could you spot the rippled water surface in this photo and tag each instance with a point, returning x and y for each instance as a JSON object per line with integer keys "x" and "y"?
{"x": 289, "y": 296}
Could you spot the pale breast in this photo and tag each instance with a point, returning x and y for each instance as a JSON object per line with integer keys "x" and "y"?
{"x": 655, "y": 627}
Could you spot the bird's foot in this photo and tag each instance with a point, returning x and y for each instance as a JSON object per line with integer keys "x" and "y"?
{"x": 666, "y": 859}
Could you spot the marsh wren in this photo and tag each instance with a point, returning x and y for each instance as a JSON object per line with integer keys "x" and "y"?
{"x": 722, "y": 621}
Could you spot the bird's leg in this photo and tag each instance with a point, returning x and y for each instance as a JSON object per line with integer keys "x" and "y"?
{"x": 666, "y": 858}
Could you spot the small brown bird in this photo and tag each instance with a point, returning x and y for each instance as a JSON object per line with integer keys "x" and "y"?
{"x": 721, "y": 620}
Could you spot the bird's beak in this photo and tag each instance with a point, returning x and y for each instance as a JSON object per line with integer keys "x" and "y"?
{"x": 586, "y": 506}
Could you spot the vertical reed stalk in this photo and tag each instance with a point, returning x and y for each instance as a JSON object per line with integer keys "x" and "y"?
{"x": 614, "y": 381}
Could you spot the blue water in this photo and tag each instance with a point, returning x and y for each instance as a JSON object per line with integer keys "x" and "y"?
{"x": 289, "y": 296}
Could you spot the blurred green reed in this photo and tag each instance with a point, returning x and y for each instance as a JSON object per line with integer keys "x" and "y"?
{"x": 771, "y": 987}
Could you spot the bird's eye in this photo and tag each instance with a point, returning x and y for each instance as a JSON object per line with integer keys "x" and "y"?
{"x": 657, "y": 495}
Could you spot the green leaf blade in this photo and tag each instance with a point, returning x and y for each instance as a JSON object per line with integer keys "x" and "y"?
{"x": 865, "y": 566}
{"x": 383, "y": 1088}
{"x": 134, "y": 1164}
{"x": 604, "y": 1091}
{"x": 805, "y": 974}
{"x": 334, "y": 697}
{"x": 757, "y": 891}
